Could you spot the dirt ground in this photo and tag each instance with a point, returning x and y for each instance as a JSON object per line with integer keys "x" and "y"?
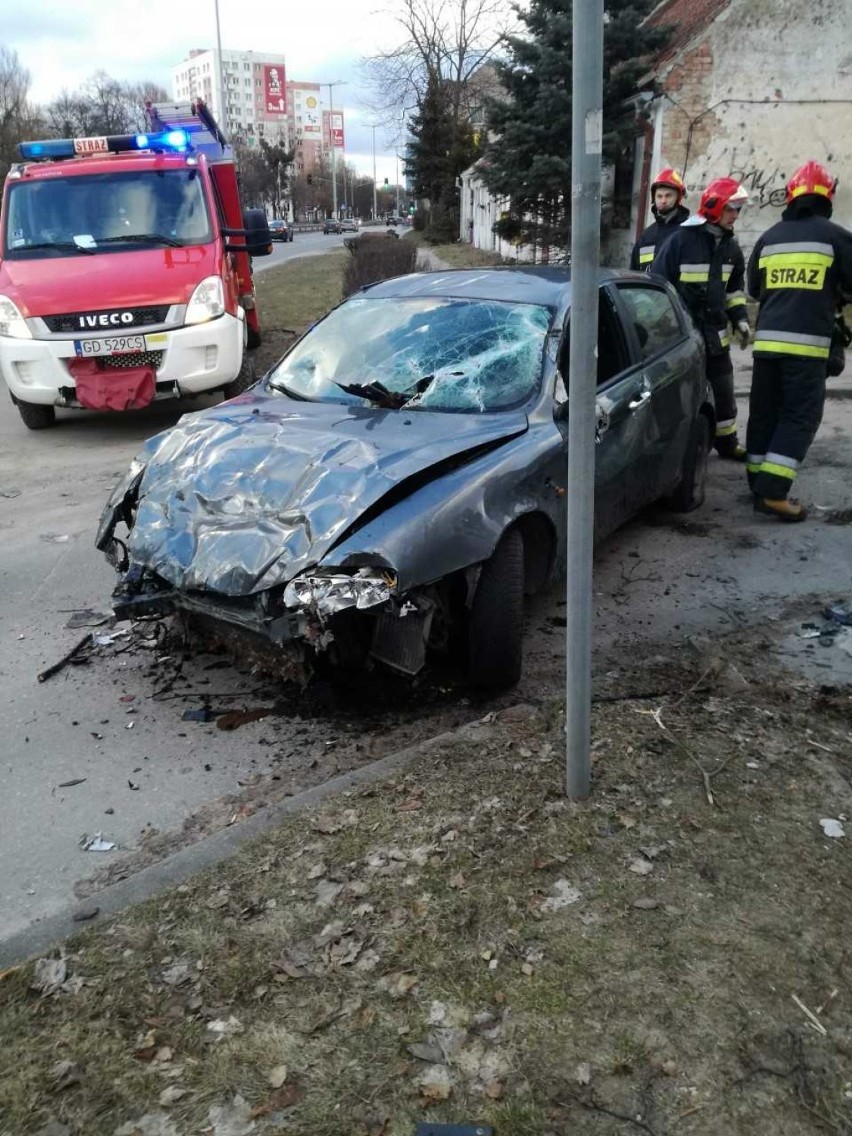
{"x": 463, "y": 944}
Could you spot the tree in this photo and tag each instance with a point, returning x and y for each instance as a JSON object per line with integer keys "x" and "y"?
{"x": 102, "y": 106}
{"x": 441, "y": 147}
{"x": 19, "y": 120}
{"x": 527, "y": 158}
{"x": 444, "y": 41}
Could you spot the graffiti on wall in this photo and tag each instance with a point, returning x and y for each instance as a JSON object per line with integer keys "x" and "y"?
{"x": 765, "y": 184}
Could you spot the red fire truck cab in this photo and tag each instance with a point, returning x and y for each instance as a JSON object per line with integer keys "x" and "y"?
{"x": 125, "y": 269}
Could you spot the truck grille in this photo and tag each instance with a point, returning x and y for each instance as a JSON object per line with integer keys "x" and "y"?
{"x": 142, "y": 317}
{"x": 137, "y": 359}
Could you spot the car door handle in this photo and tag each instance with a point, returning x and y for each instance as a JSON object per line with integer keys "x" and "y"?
{"x": 640, "y": 401}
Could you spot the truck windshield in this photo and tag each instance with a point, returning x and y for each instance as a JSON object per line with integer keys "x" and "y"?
{"x": 80, "y": 214}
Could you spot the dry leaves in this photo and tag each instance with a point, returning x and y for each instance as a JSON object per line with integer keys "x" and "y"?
{"x": 435, "y": 1084}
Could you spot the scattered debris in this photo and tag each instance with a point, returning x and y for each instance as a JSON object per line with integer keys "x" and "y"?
{"x": 48, "y": 975}
{"x": 72, "y": 782}
{"x": 96, "y": 843}
{"x": 277, "y": 1076}
{"x": 435, "y": 1084}
{"x": 233, "y": 719}
{"x": 50, "y": 671}
{"x": 832, "y": 828}
{"x": 234, "y": 1119}
{"x": 225, "y": 1027}
{"x": 563, "y": 894}
{"x": 813, "y": 1020}
{"x": 840, "y": 613}
{"x": 65, "y": 1074}
{"x": 151, "y": 1124}
{"x": 88, "y": 618}
{"x": 55, "y": 538}
{"x": 84, "y": 914}
{"x": 205, "y": 714}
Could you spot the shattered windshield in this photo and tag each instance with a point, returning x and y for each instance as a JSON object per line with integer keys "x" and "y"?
{"x": 107, "y": 212}
{"x": 421, "y": 353}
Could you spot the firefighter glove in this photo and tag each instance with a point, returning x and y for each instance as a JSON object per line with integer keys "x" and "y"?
{"x": 744, "y": 334}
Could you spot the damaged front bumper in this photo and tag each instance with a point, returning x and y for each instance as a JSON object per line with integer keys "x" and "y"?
{"x": 314, "y": 610}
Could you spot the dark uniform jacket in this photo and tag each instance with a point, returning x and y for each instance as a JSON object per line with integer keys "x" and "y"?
{"x": 655, "y": 236}
{"x": 799, "y": 269}
{"x": 709, "y": 277}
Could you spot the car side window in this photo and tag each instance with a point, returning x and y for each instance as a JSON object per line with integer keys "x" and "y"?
{"x": 654, "y": 317}
{"x": 613, "y": 355}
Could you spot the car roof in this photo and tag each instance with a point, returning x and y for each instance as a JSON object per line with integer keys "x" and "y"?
{"x": 530, "y": 284}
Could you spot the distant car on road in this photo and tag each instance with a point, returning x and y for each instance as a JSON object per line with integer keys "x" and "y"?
{"x": 348, "y": 225}
{"x": 281, "y": 230}
{"x": 329, "y": 225}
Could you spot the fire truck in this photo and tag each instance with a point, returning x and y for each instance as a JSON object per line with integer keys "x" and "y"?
{"x": 125, "y": 269}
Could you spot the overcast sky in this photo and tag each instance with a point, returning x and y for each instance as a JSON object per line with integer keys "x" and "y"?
{"x": 63, "y": 43}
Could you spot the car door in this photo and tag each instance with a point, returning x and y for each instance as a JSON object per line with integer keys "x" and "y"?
{"x": 661, "y": 337}
{"x": 622, "y": 398}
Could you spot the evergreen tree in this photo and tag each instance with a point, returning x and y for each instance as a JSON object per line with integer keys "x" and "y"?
{"x": 528, "y": 156}
{"x": 441, "y": 146}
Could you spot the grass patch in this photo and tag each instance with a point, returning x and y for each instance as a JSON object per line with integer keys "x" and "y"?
{"x": 459, "y": 254}
{"x": 294, "y": 295}
{"x": 403, "y": 952}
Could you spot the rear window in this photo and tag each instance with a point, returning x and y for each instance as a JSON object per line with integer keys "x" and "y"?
{"x": 110, "y": 212}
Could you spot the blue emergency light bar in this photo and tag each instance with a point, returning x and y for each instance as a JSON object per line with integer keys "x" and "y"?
{"x": 58, "y": 148}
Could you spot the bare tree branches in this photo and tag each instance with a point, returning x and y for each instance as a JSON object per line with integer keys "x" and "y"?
{"x": 442, "y": 40}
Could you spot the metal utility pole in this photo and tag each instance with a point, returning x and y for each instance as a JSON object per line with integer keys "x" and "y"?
{"x": 331, "y": 86}
{"x": 586, "y": 147}
{"x": 397, "y": 182}
{"x": 224, "y": 116}
{"x": 375, "y": 199}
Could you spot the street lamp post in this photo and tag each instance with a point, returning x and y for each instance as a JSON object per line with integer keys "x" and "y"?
{"x": 397, "y": 183}
{"x": 331, "y": 86}
{"x": 375, "y": 201}
{"x": 224, "y": 122}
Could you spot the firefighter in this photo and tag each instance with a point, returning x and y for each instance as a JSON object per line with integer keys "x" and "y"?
{"x": 667, "y": 194}
{"x": 799, "y": 270}
{"x": 706, "y": 265}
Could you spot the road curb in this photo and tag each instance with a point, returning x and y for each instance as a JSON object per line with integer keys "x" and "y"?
{"x": 221, "y": 845}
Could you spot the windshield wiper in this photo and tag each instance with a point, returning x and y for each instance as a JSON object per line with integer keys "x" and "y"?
{"x": 65, "y": 246}
{"x": 150, "y": 238}
{"x": 379, "y": 395}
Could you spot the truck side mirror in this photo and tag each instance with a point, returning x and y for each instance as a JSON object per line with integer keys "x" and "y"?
{"x": 258, "y": 236}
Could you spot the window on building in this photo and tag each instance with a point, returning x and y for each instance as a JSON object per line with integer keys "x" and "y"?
{"x": 246, "y": 67}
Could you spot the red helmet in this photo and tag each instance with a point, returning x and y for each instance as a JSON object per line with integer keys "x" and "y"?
{"x": 811, "y": 178}
{"x": 718, "y": 194}
{"x": 669, "y": 179}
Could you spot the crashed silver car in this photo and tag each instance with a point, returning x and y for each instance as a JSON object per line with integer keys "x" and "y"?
{"x": 396, "y": 483}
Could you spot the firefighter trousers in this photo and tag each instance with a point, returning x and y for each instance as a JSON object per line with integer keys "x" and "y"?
{"x": 720, "y": 375}
{"x": 785, "y": 410}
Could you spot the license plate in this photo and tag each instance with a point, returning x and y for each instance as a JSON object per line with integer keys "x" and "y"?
{"x": 111, "y": 345}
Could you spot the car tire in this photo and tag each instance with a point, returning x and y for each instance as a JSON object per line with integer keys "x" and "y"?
{"x": 34, "y": 416}
{"x": 495, "y": 634}
{"x": 245, "y": 379}
{"x": 692, "y": 489}
{"x": 253, "y": 338}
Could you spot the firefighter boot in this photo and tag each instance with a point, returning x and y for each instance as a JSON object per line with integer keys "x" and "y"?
{"x": 781, "y": 508}
{"x": 734, "y": 453}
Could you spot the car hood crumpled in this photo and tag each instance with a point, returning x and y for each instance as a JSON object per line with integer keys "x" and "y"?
{"x": 245, "y": 496}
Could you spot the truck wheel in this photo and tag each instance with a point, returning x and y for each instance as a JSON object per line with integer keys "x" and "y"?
{"x": 253, "y": 338}
{"x": 495, "y": 637}
{"x": 692, "y": 489}
{"x": 35, "y": 416}
{"x": 244, "y": 380}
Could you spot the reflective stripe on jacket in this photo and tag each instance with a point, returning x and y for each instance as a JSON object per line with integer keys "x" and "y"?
{"x": 654, "y": 237}
{"x": 798, "y": 270}
{"x": 709, "y": 277}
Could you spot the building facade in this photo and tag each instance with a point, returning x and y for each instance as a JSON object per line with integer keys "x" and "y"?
{"x": 750, "y": 89}
{"x": 246, "y": 91}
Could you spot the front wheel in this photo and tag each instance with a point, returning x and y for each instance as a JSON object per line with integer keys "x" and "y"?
{"x": 496, "y": 622}
{"x": 692, "y": 489}
{"x": 35, "y": 416}
{"x": 244, "y": 380}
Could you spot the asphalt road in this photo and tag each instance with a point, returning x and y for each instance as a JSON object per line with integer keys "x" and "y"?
{"x": 91, "y": 751}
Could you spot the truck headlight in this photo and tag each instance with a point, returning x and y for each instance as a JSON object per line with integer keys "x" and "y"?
{"x": 207, "y": 302}
{"x": 12, "y": 323}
